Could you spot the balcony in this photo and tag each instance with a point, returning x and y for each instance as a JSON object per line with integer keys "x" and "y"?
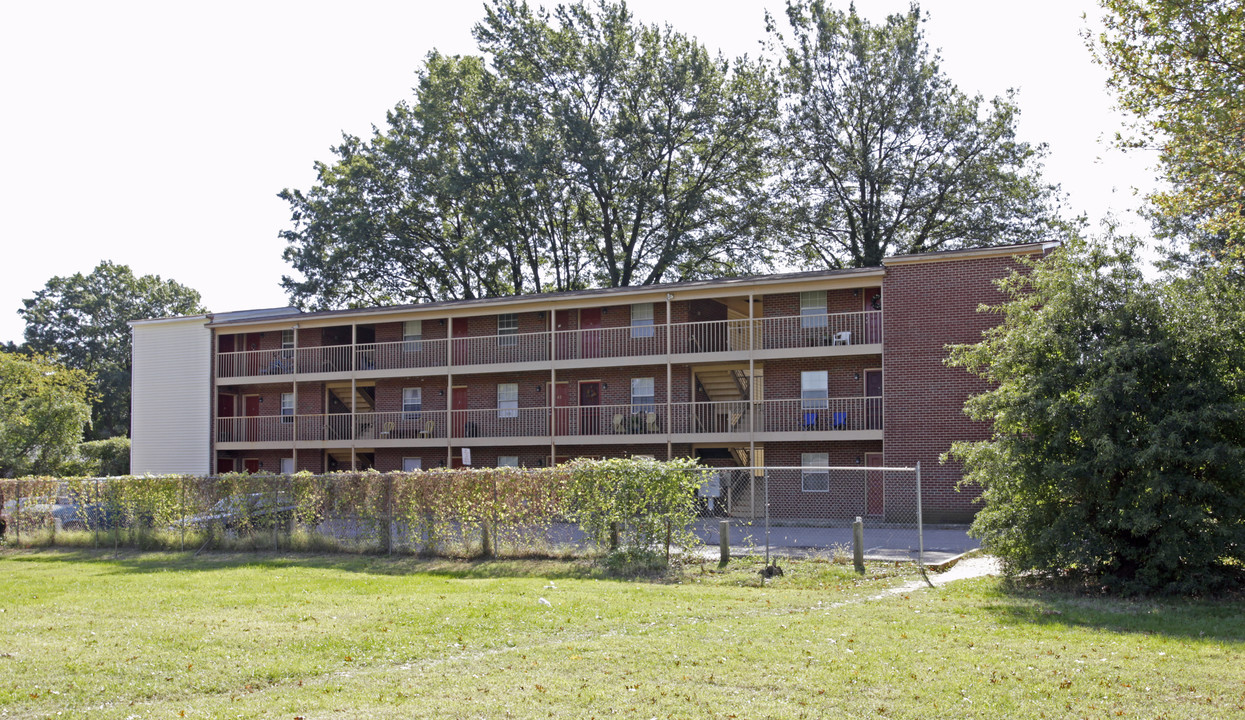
{"x": 761, "y": 338}
{"x": 854, "y": 418}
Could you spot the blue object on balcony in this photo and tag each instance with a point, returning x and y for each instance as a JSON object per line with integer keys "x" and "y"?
{"x": 840, "y": 420}
{"x": 810, "y": 419}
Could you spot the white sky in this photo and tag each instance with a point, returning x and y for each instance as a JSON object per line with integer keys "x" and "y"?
{"x": 157, "y": 134}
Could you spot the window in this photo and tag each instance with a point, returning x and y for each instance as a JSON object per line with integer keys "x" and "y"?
{"x": 508, "y": 461}
{"x": 642, "y": 320}
{"x": 507, "y": 330}
{"x": 642, "y": 395}
{"x": 410, "y": 464}
{"x": 287, "y": 407}
{"x": 412, "y": 403}
{"x": 814, "y": 393}
{"x": 412, "y": 336}
{"x": 287, "y": 343}
{"x": 815, "y": 477}
{"x": 507, "y": 400}
{"x": 813, "y": 309}
{"x": 287, "y": 466}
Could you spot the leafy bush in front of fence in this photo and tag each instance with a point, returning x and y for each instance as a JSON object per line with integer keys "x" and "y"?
{"x": 645, "y": 503}
{"x": 463, "y": 511}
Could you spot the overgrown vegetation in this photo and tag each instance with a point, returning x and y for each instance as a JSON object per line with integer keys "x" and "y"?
{"x": 643, "y": 507}
{"x": 1118, "y": 412}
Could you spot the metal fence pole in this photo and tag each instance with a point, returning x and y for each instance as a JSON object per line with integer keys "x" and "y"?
{"x": 920, "y": 528}
{"x": 766, "y": 515}
{"x": 181, "y": 509}
{"x": 17, "y": 515}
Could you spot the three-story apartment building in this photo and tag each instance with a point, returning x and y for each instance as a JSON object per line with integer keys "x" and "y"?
{"x": 840, "y": 368}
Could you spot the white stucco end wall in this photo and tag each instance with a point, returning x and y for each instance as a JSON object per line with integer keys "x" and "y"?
{"x": 170, "y": 405}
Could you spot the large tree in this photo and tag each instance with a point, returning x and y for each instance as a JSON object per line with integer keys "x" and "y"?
{"x": 886, "y": 155}
{"x": 588, "y": 150}
{"x": 1179, "y": 66}
{"x": 43, "y": 410}
{"x": 1118, "y": 413}
{"x": 81, "y": 321}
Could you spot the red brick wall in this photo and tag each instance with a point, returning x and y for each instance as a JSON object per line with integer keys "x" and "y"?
{"x": 782, "y": 377}
{"x": 928, "y": 306}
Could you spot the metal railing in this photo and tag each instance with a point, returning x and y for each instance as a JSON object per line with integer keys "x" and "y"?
{"x": 640, "y": 341}
{"x": 714, "y": 418}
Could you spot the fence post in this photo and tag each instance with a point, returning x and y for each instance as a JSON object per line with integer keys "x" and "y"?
{"x": 17, "y": 515}
{"x": 858, "y": 545}
{"x": 102, "y": 513}
{"x": 276, "y": 505}
{"x": 724, "y": 541}
{"x": 613, "y": 536}
{"x": 920, "y": 528}
{"x": 181, "y": 507}
{"x": 767, "y": 516}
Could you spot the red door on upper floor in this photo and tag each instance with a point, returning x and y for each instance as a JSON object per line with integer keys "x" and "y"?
{"x": 590, "y": 324}
{"x": 872, "y": 300}
{"x": 250, "y": 408}
{"x": 589, "y": 410}
{"x": 252, "y": 358}
{"x": 458, "y": 403}
{"x": 873, "y": 399}
{"x": 461, "y": 344}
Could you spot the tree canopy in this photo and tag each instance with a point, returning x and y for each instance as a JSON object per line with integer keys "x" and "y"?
{"x": 1179, "y": 66}
{"x": 1118, "y": 415}
{"x": 586, "y": 150}
{"x": 886, "y": 156}
{"x": 81, "y": 321}
{"x": 43, "y": 410}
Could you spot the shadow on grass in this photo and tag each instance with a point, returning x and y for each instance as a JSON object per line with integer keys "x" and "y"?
{"x": 139, "y": 561}
{"x": 1220, "y": 619}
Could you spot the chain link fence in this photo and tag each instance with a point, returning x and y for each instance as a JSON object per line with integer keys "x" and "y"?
{"x": 811, "y": 510}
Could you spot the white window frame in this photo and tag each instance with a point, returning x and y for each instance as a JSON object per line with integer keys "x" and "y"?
{"x": 818, "y": 477}
{"x": 813, "y": 309}
{"x": 287, "y": 343}
{"x": 287, "y": 407}
{"x": 814, "y": 390}
{"x": 642, "y": 402}
{"x": 287, "y": 466}
{"x": 508, "y": 461}
{"x": 411, "y": 464}
{"x": 642, "y": 320}
{"x": 507, "y": 330}
{"x": 412, "y": 335}
{"x": 412, "y": 402}
{"x": 507, "y": 400}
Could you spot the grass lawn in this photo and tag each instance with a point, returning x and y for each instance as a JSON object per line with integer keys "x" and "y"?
{"x": 87, "y": 633}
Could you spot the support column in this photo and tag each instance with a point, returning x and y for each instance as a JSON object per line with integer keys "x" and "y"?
{"x": 449, "y": 392}
{"x": 669, "y": 378}
{"x": 354, "y": 391}
{"x": 294, "y": 379}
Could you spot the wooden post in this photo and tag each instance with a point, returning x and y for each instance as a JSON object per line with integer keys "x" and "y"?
{"x": 613, "y": 536}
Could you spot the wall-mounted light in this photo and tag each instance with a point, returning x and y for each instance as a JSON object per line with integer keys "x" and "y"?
{"x": 539, "y": 387}
{"x": 669, "y": 296}
{"x": 855, "y": 376}
{"x": 441, "y": 393}
{"x": 856, "y": 292}
{"x": 605, "y": 386}
{"x": 541, "y": 314}
{"x": 442, "y": 321}
{"x": 857, "y": 459}
{"x": 605, "y": 311}
{"x": 261, "y": 464}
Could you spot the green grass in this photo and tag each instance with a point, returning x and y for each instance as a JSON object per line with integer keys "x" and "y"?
{"x": 85, "y": 633}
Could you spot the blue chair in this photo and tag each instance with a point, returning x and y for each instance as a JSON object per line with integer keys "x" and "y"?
{"x": 839, "y": 420}
{"x": 810, "y": 419}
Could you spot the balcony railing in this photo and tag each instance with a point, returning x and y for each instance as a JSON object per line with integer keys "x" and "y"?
{"x": 599, "y": 343}
{"x": 711, "y": 418}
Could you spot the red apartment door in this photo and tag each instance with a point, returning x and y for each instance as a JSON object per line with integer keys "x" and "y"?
{"x": 873, "y": 399}
{"x": 224, "y": 465}
{"x": 590, "y": 324}
{"x": 565, "y": 343}
{"x": 872, "y": 300}
{"x": 251, "y": 465}
{"x": 250, "y": 408}
{"x": 561, "y": 416}
{"x": 225, "y": 410}
{"x": 461, "y": 344}
{"x": 589, "y": 411}
{"x": 252, "y": 358}
{"x": 459, "y": 406}
{"x": 875, "y": 488}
